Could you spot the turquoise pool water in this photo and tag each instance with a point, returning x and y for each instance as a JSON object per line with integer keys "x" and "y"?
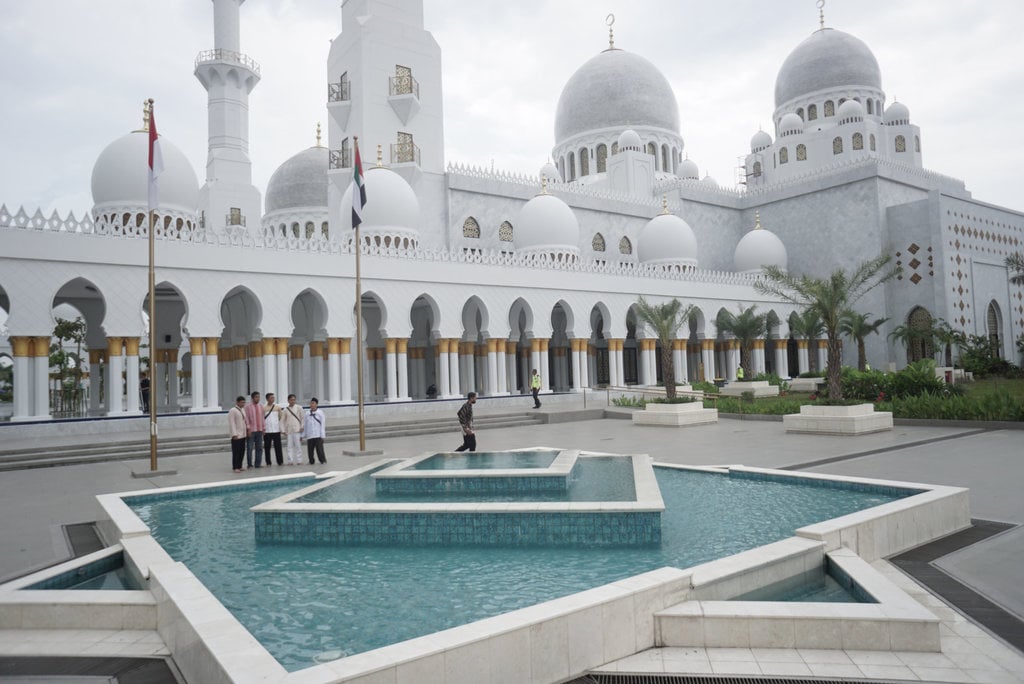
{"x": 303, "y": 601}
{"x": 488, "y": 460}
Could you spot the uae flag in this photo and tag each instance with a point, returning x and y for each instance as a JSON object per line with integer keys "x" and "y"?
{"x": 156, "y": 161}
{"x": 358, "y": 190}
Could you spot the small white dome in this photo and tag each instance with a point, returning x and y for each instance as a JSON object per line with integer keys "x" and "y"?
{"x": 708, "y": 181}
{"x": 667, "y": 239}
{"x": 791, "y": 124}
{"x": 896, "y": 114}
{"x": 390, "y": 202}
{"x": 120, "y": 175}
{"x": 760, "y": 141}
{"x": 547, "y": 224}
{"x": 851, "y": 110}
{"x": 688, "y": 170}
{"x": 759, "y": 248}
{"x": 299, "y": 182}
{"x": 550, "y": 171}
{"x": 630, "y": 140}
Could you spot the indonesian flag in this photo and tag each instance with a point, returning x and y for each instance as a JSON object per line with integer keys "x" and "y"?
{"x": 156, "y": 161}
{"x": 358, "y": 190}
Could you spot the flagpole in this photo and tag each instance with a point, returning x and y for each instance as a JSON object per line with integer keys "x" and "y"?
{"x": 359, "y": 324}
{"x": 152, "y": 329}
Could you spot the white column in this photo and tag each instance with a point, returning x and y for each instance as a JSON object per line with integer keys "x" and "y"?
{"x": 131, "y": 374}
{"x": 822, "y": 355}
{"x": 115, "y": 364}
{"x": 41, "y": 373}
{"x": 23, "y": 381}
{"x": 468, "y": 360}
{"x": 584, "y": 355}
{"x": 501, "y": 364}
{"x": 258, "y": 380}
{"x": 281, "y": 361}
{"x": 803, "y": 362}
{"x": 493, "y": 386}
{"x": 616, "y": 363}
{"x": 95, "y": 381}
{"x": 444, "y": 386}
{"x": 391, "y": 361}
{"x": 591, "y": 366}
{"x": 536, "y": 361}
{"x": 652, "y": 361}
{"x": 269, "y": 363}
{"x": 316, "y": 370}
{"x": 212, "y": 373}
{"x": 781, "y": 358}
{"x": 708, "y": 357}
{"x": 198, "y": 374}
{"x": 453, "y": 367}
{"x": 511, "y": 358}
{"x": 578, "y": 368}
{"x": 172, "y": 379}
{"x": 733, "y": 355}
{"x": 295, "y": 353}
{"x": 758, "y": 359}
{"x": 424, "y": 355}
{"x": 345, "y": 361}
{"x": 402, "y": 363}
{"x": 334, "y": 371}
{"x": 679, "y": 361}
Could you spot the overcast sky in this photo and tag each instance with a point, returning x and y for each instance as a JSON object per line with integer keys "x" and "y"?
{"x": 74, "y": 73}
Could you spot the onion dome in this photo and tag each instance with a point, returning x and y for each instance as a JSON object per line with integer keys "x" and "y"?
{"x": 827, "y": 59}
{"x": 709, "y": 182}
{"x": 688, "y": 170}
{"x": 550, "y": 171}
{"x": 613, "y": 89}
{"x": 896, "y": 114}
{"x": 120, "y": 176}
{"x": 300, "y": 182}
{"x": 759, "y": 248}
{"x": 760, "y": 141}
{"x": 668, "y": 240}
{"x": 630, "y": 140}
{"x": 547, "y": 226}
{"x": 850, "y": 111}
{"x": 391, "y": 213}
{"x": 790, "y": 124}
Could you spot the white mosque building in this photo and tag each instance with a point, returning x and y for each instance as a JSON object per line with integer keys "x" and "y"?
{"x": 472, "y": 278}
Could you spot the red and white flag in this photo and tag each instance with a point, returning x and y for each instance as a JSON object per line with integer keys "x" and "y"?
{"x": 358, "y": 189}
{"x": 156, "y": 161}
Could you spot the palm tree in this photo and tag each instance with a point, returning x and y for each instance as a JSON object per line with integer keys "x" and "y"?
{"x": 829, "y": 298}
{"x": 806, "y": 325}
{"x": 1015, "y": 262}
{"x": 856, "y": 326}
{"x": 746, "y": 326}
{"x": 666, "y": 319}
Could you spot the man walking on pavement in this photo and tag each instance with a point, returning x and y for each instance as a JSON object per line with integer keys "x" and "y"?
{"x": 466, "y": 421}
{"x": 535, "y": 388}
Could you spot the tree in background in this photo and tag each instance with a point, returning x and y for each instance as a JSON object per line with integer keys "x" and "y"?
{"x": 665, "y": 319}
{"x": 746, "y": 326}
{"x": 856, "y": 326}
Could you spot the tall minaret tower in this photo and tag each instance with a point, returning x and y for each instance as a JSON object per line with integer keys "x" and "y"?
{"x": 228, "y": 199}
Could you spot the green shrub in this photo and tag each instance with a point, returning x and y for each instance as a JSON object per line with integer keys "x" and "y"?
{"x": 774, "y": 407}
{"x": 630, "y": 402}
{"x": 673, "y": 400}
{"x": 812, "y": 374}
{"x": 997, "y": 406}
{"x": 916, "y": 379}
{"x": 705, "y": 387}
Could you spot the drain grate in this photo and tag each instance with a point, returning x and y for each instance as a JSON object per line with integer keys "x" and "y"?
{"x": 617, "y": 678}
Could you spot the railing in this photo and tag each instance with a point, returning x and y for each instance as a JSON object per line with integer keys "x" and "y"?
{"x": 222, "y": 55}
{"x": 403, "y": 85}
{"x": 69, "y": 403}
{"x": 339, "y": 92}
{"x": 405, "y": 153}
{"x": 340, "y": 159}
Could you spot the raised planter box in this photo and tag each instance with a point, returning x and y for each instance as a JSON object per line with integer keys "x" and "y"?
{"x": 806, "y": 384}
{"x": 760, "y": 388}
{"x": 858, "y": 419}
{"x": 676, "y": 415}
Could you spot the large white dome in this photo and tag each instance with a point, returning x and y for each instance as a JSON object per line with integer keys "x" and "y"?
{"x": 390, "y": 202}
{"x": 300, "y": 182}
{"x": 826, "y": 59}
{"x": 120, "y": 176}
{"x": 760, "y": 248}
{"x": 547, "y": 224}
{"x": 667, "y": 239}
{"x": 615, "y": 89}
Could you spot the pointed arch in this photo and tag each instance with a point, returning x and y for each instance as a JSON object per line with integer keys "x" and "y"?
{"x": 597, "y": 244}
{"x": 625, "y": 246}
{"x": 470, "y": 228}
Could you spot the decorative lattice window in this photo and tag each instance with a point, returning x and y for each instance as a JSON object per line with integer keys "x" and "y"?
{"x": 801, "y": 152}
{"x": 615, "y": 148}
{"x": 625, "y": 246}
{"x": 830, "y": 108}
{"x": 652, "y": 150}
{"x": 837, "y": 145}
{"x": 917, "y": 144}
{"x": 871, "y": 142}
{"x": 597, "y": 244}
{"x": 505, "y": 232}
{"x": 572, "y": 167}
{"x": 812, "y": 112}
{"x": 784, "y": 155}
{"x": 325, "y": 231}
{"x": 800, "y": 113}
{"x": 757, "y": 169}
{"x": 602, "y": 158}
{"x": 584, "y": 161}
{"x": 310, "y": 229}
{"x": 858, "y": 141}
{"x": 665, "y": 165}
{"x": 470, "y": 228}
{"x": 871, "y": 106}
{"x": 901, "y": 143}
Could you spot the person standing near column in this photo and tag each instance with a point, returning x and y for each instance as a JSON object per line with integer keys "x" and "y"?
{"x": 254, "y": 442}
{"x": 293, "y": 420}
{"x": 315, "y": 431}
{"x": 272, "y": 429}
{"x": 239, "y": 433}
{"x": 535, "y": 388}
{"x": 465, "y": 415}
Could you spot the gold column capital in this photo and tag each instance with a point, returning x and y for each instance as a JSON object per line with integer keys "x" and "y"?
{"x": 131, "y": 346}
{"x": 21, "y": 346}
{"x": 316, "y": 348}
{"x": 492, "y": 346}
{"x": 172, "y": 355}
{"x": 195, "y": 345}
{"x": 535, "y": 344}
{"x": 802, "y": 344}
{"x": 344, "y": 345}
{"x": 256, "y": 349}
{"x": 212, "y": 346}
{"x": 41, "y": 346}
{"x": 296, "y": 351}
{"x": 280, "y": 345}
{"x": 707, "y": 345}
{"x": 333, "y": 345}
{"x": 268, "y": 346}
{"x": 403, "y": 345}
{"x": 781, "y": 344}
{"x": 390, "y": 345}
{"x": 114, "y": 345}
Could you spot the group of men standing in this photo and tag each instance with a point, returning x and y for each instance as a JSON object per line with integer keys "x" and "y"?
{"x": 256, "y": 428}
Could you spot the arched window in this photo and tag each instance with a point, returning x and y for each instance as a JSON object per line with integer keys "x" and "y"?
{"x": 837, "y": 145}
{"x": 830, "y": 108}
{"x": 919, "y": 343}
{"x": 470, "y": 228}
{"x": 871, "y": 142}
{"x": 505, "y": 232}
{"x": 584, "y": 162}
{"x": 625, "y": 246}
{"x": 901, "y": 143}
{"x": 652, "y": 150}
{"x": 665, "y": 164}
{"x": 812, "y": 112}
{"x": 572, "y": 167}
{"x": 325, "y": 231}
{"x": 917, "y": 144}
{"x": 784, "y": 155}
{"x": 994, "y": 329}
{"x": 801, "y": 152}
{"x": 295, "y": 229}
{"x": 597, "y": 244}
{"x": 561, "y": 167}
{"x": 757, "y": 169}
{"x": 871, "y": 106}
{"x": 602, "y": 158}
{"x": 615, "y": 148}
{"x": 310, "y": 229}
{"x": 800, "y": 112}
{"x": 858, "y": 141}
{"x": 842, "y": 100}
{"x": 284, "y": 230}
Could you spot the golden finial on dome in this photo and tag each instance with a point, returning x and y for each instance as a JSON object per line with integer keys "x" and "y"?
{"x": 380, "y": 155}
{"x": 318, "y": 134}
{"x": 664, "y": 205}
{"x": 543, "y": 184}
{"x": 757, "y": 220}
{"x": 610, "y": 21}
{"x": 146, "y": 104}
{"x": 821, "y": 13}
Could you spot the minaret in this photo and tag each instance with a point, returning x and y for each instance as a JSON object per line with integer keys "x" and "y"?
{"x": 228, "y": 199}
